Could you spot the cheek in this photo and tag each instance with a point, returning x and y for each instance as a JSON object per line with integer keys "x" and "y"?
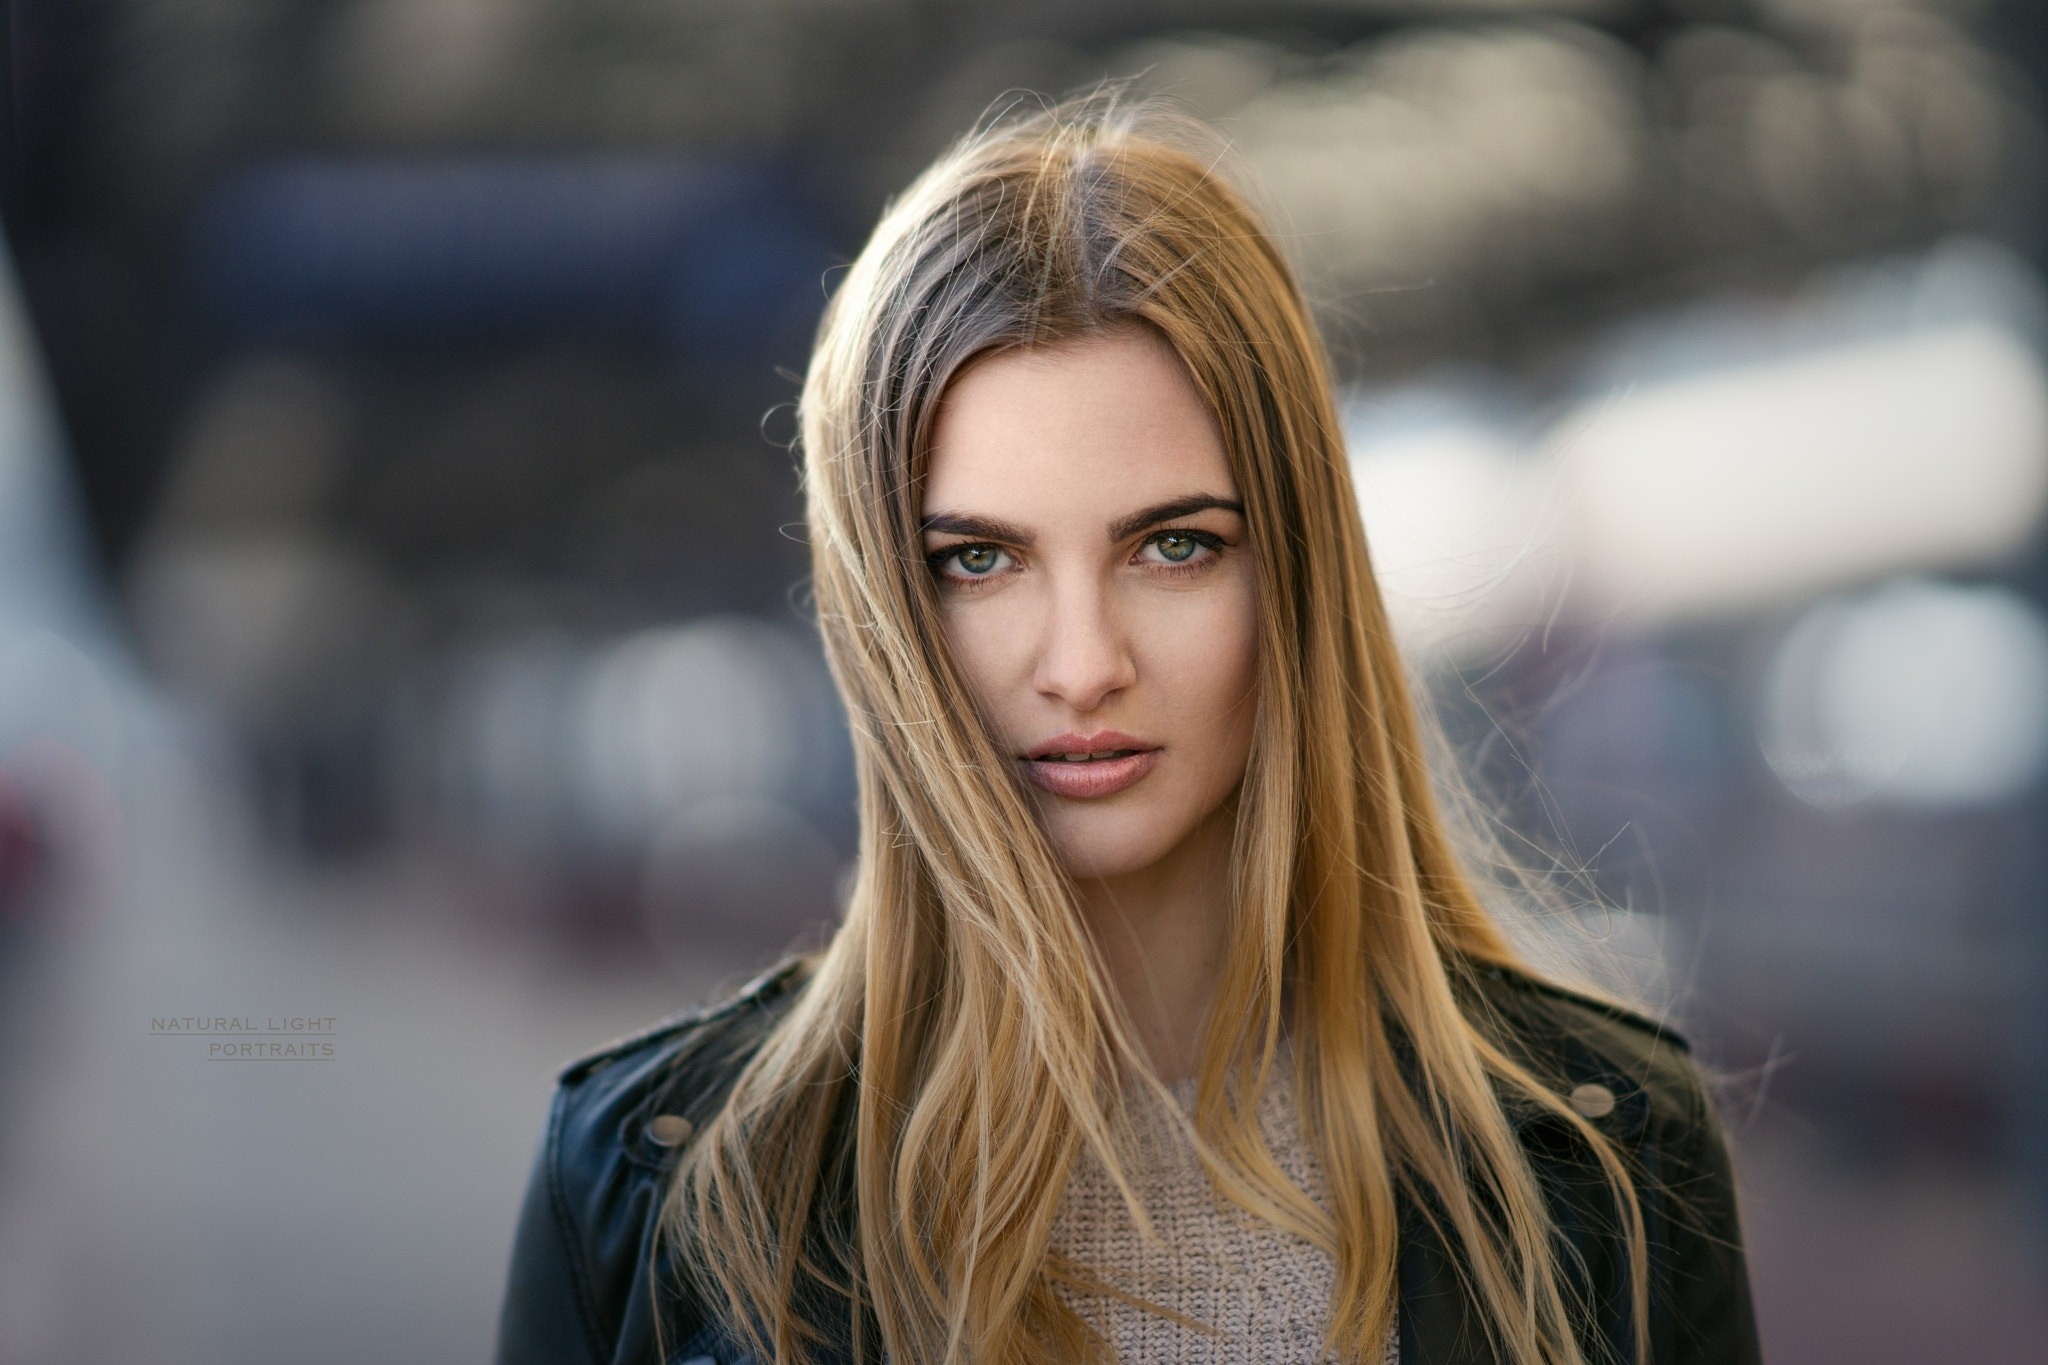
{"x": 1207, "y": 659}
{"x": 990, "y": 645}
{"x": 1237, "y": 681}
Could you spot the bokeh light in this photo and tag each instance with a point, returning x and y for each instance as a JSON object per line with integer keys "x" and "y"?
{"x": 1916, "y": 693}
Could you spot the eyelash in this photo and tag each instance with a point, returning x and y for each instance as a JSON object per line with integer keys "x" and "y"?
{"x": 1208, "y": 540}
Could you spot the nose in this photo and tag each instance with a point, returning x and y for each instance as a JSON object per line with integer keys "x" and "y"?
{"x": 1085, "y": 657}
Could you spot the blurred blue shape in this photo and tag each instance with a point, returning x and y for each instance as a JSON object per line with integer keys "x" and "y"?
{"x": 710, "y": 258}
{"x": 46, "y": 582}
{"x": 68, "y": 703}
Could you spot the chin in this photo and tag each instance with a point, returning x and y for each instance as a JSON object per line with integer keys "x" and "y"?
{"x": 1094, "y": 849}
{"x": 1086, "y": 865}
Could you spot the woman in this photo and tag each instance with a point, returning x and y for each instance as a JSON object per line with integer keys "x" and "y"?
{"x": 1163, "y": 1019}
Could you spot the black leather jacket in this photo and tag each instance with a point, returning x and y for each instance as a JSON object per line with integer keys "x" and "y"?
{"x": 579, "y": 1289}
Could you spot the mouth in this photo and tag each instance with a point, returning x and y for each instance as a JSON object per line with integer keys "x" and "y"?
{"x": 1084, "y": 767}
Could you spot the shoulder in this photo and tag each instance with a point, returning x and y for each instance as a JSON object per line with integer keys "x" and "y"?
{"x": 1615, "y": 1064}
{"x": 1634, "y": 1078}
{"x": 681, "y": 1064}
{"x": 759, "y": 996}
{"x": 620, "y": 1117}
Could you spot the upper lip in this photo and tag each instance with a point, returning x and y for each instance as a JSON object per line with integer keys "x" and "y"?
{"x": 1101, "y": 742}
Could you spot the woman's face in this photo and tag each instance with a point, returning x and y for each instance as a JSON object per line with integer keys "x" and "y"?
{"x": 1089, "y": 550}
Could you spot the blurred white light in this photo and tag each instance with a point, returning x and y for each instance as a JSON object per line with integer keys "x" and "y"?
{"x": 1721, "y": 492}
{"x": 1444, "y": 154}
{"x": 674, "y": 716}
{"x": 1897, "y": 439}
{"x": 1917, "y": 694}
{"x": 1453, "y": 522}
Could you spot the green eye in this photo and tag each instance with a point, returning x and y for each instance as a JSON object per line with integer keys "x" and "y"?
{"x": 1177, "y": 548}
{"x": 963, "y": 562}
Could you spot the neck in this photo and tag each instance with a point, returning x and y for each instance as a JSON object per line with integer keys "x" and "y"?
{"x": 1163, "y": 933}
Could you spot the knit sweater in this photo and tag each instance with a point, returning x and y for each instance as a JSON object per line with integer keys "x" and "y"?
{"x": 1265, "y": 1291}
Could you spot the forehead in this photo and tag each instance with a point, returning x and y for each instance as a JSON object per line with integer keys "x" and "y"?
{"x": 1107, "y": 421}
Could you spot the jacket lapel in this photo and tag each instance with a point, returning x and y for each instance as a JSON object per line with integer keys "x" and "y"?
{"x": 1438, "y": 1324}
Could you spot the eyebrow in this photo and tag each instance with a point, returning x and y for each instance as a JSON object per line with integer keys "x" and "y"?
{"x": 963, "y": 524}
{"x": 1137, "y": 521}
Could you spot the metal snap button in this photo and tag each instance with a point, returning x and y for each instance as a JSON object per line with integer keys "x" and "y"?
{"x": 669, "y": 1130}
{"x": 1591, "y": 1100}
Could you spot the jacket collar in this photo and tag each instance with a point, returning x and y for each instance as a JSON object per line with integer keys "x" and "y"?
{"x": 1440, "y": 1324}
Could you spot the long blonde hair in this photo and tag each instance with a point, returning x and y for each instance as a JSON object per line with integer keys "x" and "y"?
{"x": 890, "y": 1161}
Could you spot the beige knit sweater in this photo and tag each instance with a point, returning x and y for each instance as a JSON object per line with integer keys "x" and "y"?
{"x": 1266, "y": 1291}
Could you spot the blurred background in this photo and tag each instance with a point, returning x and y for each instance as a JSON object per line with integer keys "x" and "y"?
{"x": 404, "y": 661}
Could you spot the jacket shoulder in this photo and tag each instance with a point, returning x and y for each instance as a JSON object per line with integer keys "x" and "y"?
{"x": 1583, "y": 1009}
{"x": 671, "y": 1029}
{"x": 1634, "y": 1078}
{"x": 594, "y": 1197}
{"x": 1615, "y": 1064}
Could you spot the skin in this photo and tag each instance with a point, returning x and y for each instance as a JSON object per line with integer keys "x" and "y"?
{"x": 1065, "y": 621}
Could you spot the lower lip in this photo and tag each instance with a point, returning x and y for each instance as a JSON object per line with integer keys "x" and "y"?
{"x": 1096, "y": 777}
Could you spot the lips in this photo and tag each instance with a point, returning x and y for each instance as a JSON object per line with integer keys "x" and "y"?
{"x": 1084, "y": 767}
